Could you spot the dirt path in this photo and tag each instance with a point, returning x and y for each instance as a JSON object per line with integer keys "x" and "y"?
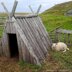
{"x": 9, "y": 65}
{"x": 12, "y": 65}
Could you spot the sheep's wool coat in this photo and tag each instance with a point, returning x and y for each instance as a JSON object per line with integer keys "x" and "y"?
{"x": 60, "y": 46}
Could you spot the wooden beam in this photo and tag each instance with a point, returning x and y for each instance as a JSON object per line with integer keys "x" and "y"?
{"x": 14, "y": 8}
{"x": 31, "y": 9}
{"x": 5, "y": 8}
{"x": 38, "y": 9}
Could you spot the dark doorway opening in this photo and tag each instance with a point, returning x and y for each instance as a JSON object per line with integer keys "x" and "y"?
{"x": 13, "y": 46}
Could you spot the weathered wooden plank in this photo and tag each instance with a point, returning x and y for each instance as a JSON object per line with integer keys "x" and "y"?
{"x": 45, "y": 32}
{"x": 39, "y": 28}
{"x": 25, "y": 41}
{"x": 37, "y": 35}
{"x": 68, "y": 39}
{"x": 38, "y": 9}
{"x": 25, "y": 16}
{"x": 31, "y": 9}
{"x": 5, "y": 8}
{"x": 5, "y": 45}
{"x": 9, "y": 27}
{"x": 29, "y": 36}
{"x": 24, "y": 51}
{"x": 36, "y": 42}
{"x": 34, "y": 32}
{"x": 19, "y": 46}
{"x": 14, "y": 8}
{"x": 64, "y": 37}
{"x": 1, "y": 51}
{"x": 26, "y": 33}
{"x": 64, "y": 31}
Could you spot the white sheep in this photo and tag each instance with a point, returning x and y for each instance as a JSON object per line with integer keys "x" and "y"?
{"x": 60, "y": 46}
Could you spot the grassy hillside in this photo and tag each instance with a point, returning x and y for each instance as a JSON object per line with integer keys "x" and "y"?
{"x": 59, "y": 9}
{"x": 54, "y": 17}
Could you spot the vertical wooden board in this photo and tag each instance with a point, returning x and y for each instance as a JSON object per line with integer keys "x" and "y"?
{"x": 32, "y": 60}
{"x": 25, "y": 41}
{"x": 9, "y": 27}
{"x": 31, "y": 34}
{"x": 40, "y": 34}
{"x": 35, "y": 33}
{"x": 28, "y": 34}
{"x": 32, "y": 38}
{"x": 19, "y": 46}
{"x": 1, "y": 51}
{"x": 5, "y": 45}
{"x": 45, "y": 32}
{"x": 27, "y": 55}
{"x": 36, "y": 44}
{"x": 12, "y": 29}
{"x": 23, "y": 50}
{"x": 68, "y": 39}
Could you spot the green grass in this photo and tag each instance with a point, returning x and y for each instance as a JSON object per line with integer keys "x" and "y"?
{"x": 1, "y": 31}
{"x": 64, "y": 59}
{"x": 59, "y": 9}
{"x": 32, "y": 67}
{"x": 51, "y": 22}
{"x": 54, "y": 18}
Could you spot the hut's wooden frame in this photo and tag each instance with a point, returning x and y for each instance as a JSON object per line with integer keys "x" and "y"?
{"x": 32, "y": 37}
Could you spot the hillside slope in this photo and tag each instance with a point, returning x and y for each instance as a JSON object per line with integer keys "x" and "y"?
{"x": 59, "y": 9}
{"x": 54, "y": 17}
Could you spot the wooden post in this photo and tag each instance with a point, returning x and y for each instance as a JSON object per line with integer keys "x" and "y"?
{"x": 31, "y": 9}
{"x": 14, "y": 8}
{"x": 56, "y": 35}
{"x": 68, "y": 39}
{"x": 38, "y": 10}
{"x": 5, "y": 9}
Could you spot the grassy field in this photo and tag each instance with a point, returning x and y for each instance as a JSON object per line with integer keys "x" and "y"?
{"x": 52, "y": 21}
{"x": 59, "y": 9}
{"x": 54, "y": 18}
{"x": 57, "y": 61}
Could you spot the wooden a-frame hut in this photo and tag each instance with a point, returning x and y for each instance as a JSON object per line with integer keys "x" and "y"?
{"x": 25, "y": 37}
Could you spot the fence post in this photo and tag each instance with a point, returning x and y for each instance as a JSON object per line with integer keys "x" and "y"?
{"x": 68, "y": 39}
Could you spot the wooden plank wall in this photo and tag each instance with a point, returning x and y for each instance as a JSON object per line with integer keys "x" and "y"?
{"x": 32, "y": 37}
{"x": 1, "y": 52}
{"x": 26, "y": 48}
{"x": 8, "y": 29}
{"x": 5, "y": 45}
{"x": 36, "y": 35}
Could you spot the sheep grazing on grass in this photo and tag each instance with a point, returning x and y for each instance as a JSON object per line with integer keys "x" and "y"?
{"x": 60, "y": 46}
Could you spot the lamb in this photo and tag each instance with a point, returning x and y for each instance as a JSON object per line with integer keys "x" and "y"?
{"x": 60, "y": 46}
